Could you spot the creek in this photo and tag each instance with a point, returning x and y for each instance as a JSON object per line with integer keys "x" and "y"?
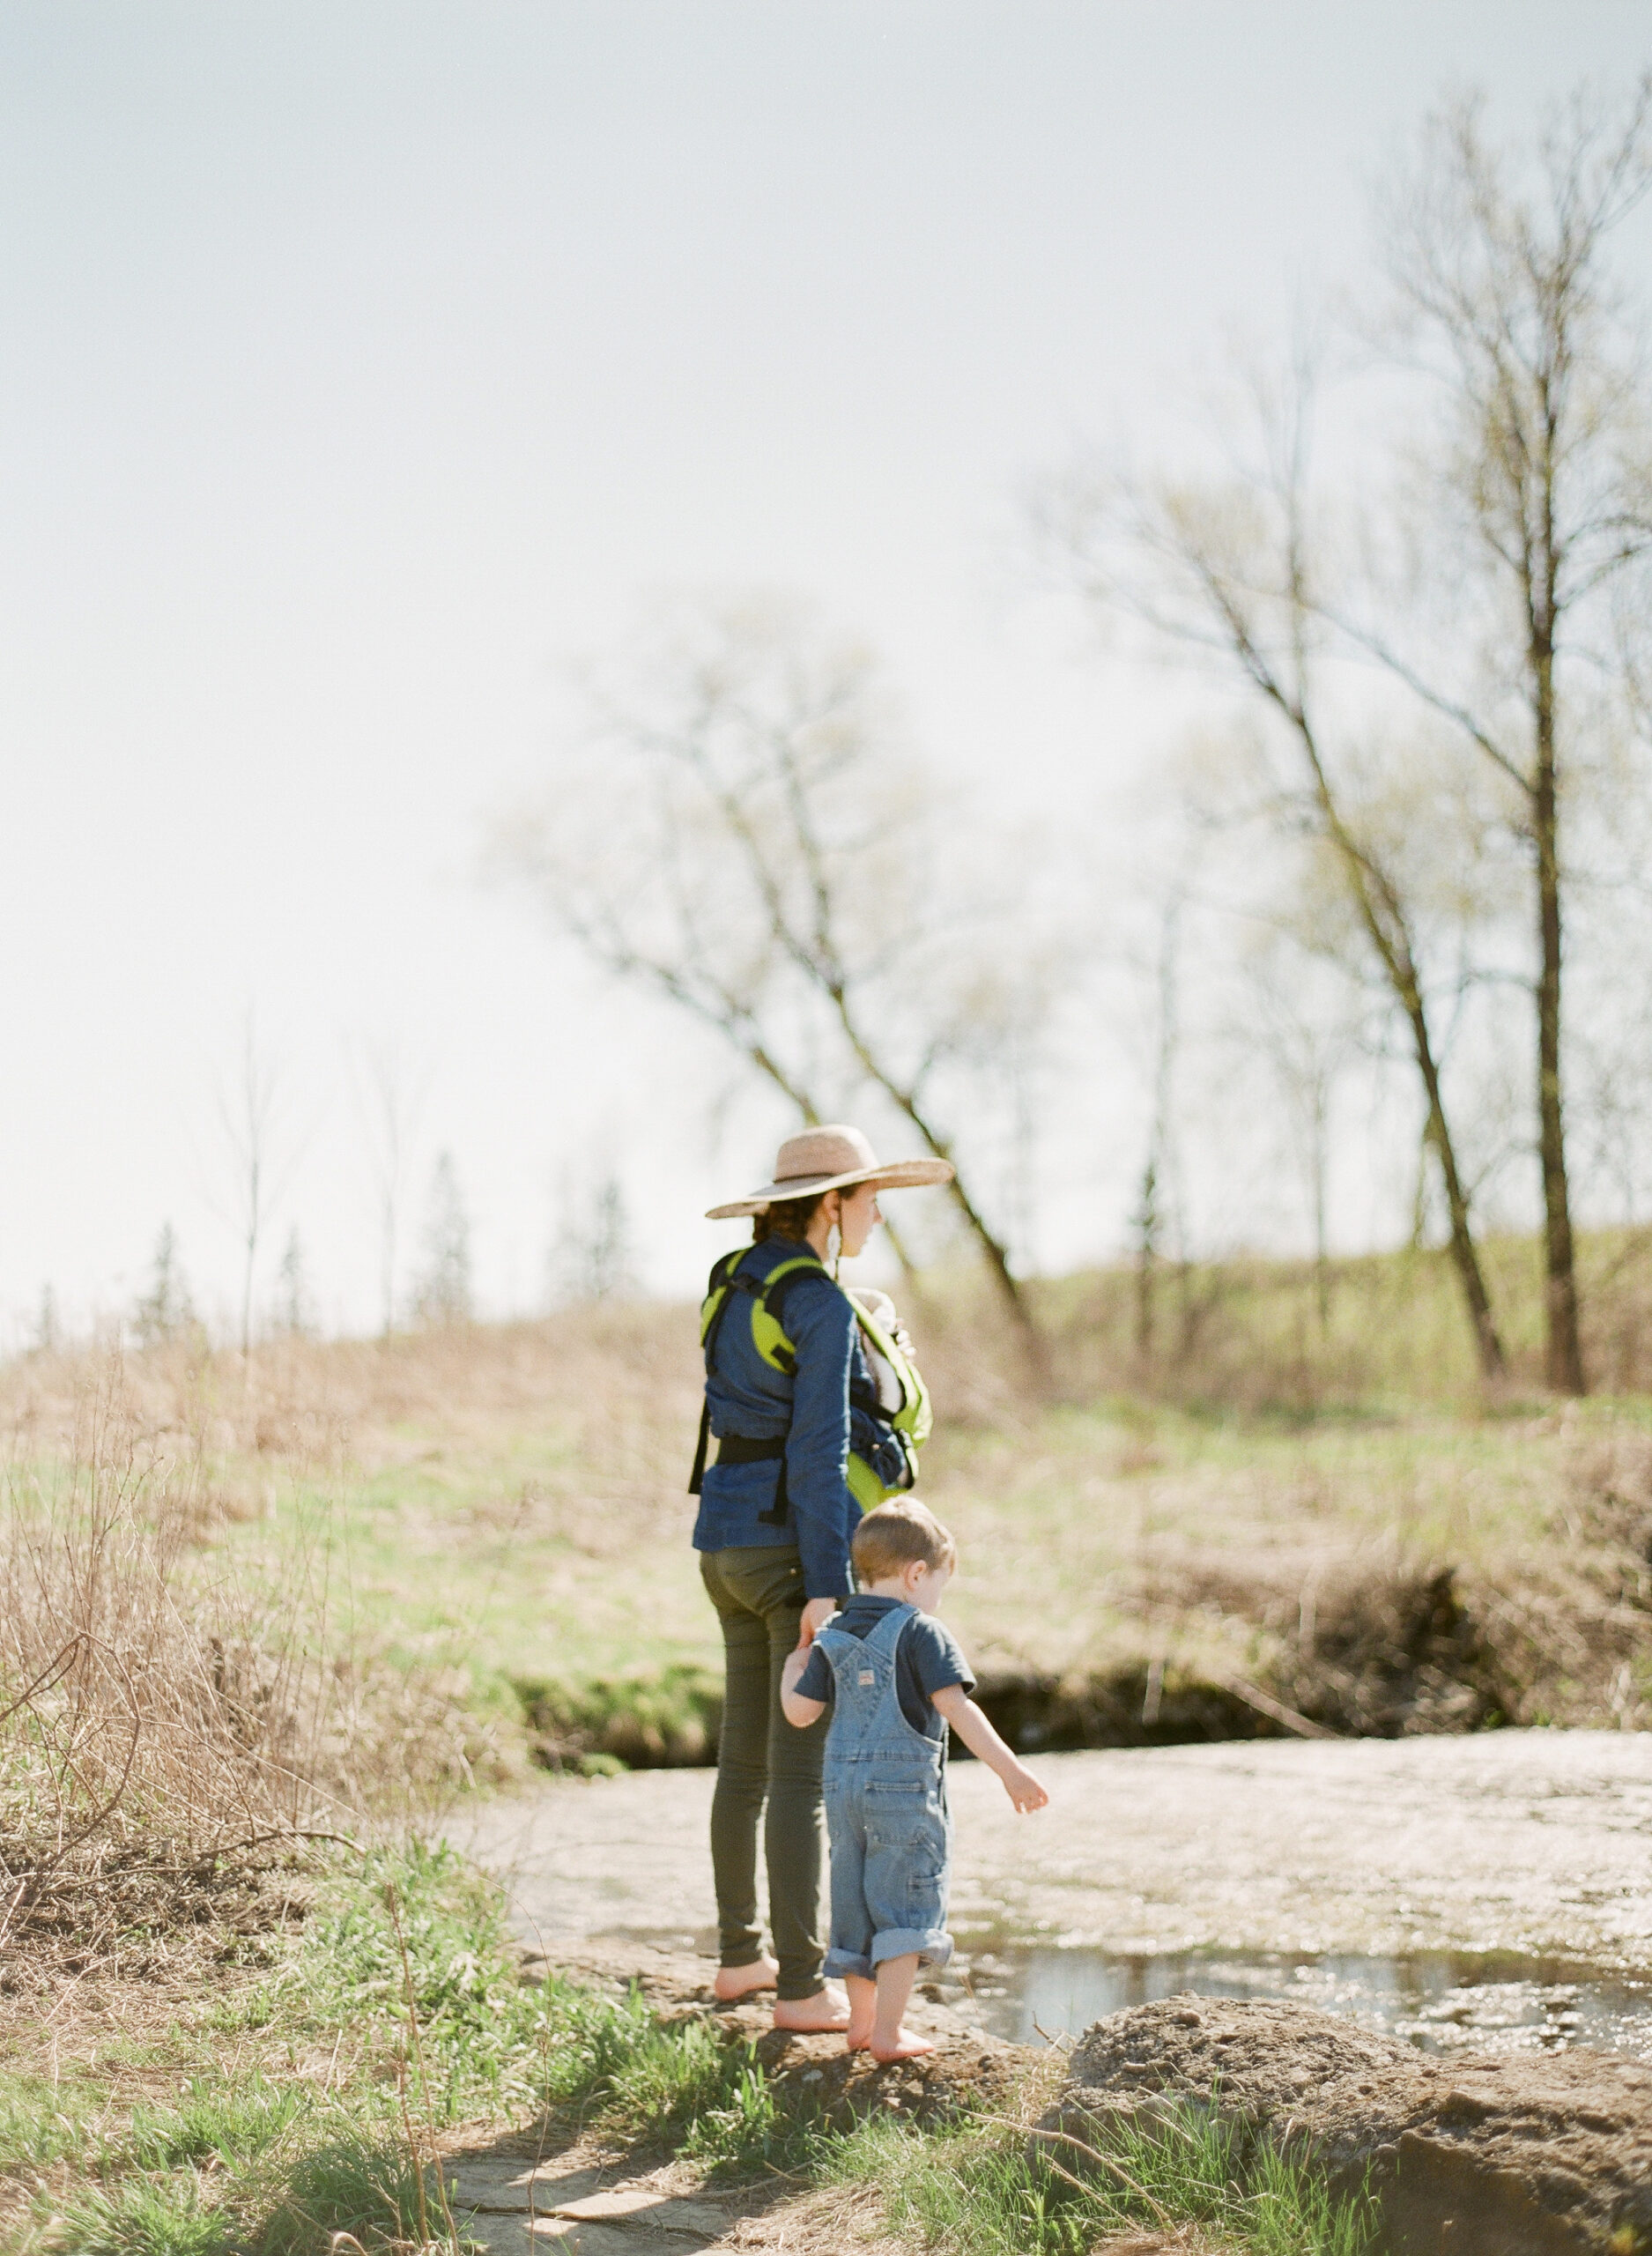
{"x": 1438, "y": 2000}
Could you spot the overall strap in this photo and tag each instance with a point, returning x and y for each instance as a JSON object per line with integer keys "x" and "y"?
{"x": 885, "y": 1638}
{"x": 837, "y": 1645}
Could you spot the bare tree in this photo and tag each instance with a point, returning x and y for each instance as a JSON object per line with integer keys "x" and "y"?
{"x": 295, "y": 1308}
{"x": 444, "y": 1292}
{"x": 1529, "y": 496}
{"x": 592, "y": 1257}
{"x": 1228, "y": 569}
{"x": 389, "y": 1096}
{"x": 1306, "y": 1039}
{"x": 167, "y": 1309}
{"x": 744, "y": 835}
{"x": 1158, "y": 1204}
{"x": 261, "y": 1160}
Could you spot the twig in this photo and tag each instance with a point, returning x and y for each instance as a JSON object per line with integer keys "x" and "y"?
{"x": 47, "y": 1676}
{"x": 1265, "y": 1704}
{"x": 102, "y": 1815}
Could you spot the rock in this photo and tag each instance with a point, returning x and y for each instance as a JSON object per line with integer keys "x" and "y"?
{"x": 1550, "y": 2156}
{"x": 503, "y": 2184}
{"x": 645, "y": 2205}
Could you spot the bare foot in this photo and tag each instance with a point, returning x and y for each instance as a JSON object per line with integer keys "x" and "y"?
{"x": 863, "y": 2011}
{"x": 821, "y": 2014}
{"x": 905, "y": 2047}
{"x": 732, "y": 1982}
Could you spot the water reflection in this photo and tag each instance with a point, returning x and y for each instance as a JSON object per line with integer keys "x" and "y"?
{"x": 1437, "y": 2000}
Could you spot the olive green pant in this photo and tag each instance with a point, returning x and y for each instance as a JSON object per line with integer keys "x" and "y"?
{"x": 759, "y": 1595}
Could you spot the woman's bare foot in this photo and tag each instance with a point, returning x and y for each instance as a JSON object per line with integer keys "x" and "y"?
{"x": 822, "y": 2015}
{"x": 732, "y": 1982}
{"x": 905, "y": 2047}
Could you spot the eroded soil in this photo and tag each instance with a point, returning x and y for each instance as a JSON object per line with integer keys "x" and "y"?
{"x": 1482, "y": 2157}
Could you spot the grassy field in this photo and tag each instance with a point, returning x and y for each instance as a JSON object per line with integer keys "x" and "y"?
{"x": 498, "y": 1514}
{"x": 241, "y": 1604}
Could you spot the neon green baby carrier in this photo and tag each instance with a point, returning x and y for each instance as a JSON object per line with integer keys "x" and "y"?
{"x": 902, "y": 1402}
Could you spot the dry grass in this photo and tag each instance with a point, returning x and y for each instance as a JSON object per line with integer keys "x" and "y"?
{"x": 480, "y": 1533}
{"x": 175, "y": 1714}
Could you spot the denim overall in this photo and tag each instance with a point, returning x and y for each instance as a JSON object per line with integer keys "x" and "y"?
{"x": 887, "y": 1812}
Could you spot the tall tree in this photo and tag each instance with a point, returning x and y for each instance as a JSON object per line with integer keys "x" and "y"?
{"x": 1528, "y": 495}
{"x": 444, "y": 1291}
{"x": 389, "y": 1095}
{"x": 166, "y": 1310}
{"x": 261, "y": 1159}
{"x": 1231, "y": 568}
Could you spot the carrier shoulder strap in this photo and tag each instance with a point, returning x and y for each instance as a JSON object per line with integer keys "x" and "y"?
{"x": 769, "y": 1293}
{"x": 720, "y": 1290}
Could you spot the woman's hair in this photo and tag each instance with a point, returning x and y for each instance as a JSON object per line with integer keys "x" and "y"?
{"x": 894, "y": 1535}
{"x": 788, "y": 1218}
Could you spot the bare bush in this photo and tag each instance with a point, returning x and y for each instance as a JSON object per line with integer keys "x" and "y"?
{"x": 163, "y": 1707}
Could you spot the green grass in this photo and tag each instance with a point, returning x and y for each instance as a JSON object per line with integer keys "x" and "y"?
{"x": 506, "y": 1519}
{"x": 497, "y": 1515}
{"x": 407, "y": 1972}
{"x": 273, "y": 2160}
{"x": 975, "y": 2191}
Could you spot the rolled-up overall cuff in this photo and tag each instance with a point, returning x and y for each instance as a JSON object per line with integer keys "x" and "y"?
{"x": 933, "y": 1948}
{"x": 933, "y": 1945}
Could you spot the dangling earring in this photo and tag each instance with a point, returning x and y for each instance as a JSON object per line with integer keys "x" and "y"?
{"x": 835, "y": 1246}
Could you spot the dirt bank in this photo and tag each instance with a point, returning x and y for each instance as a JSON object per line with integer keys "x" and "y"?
{"x": 1481, "y": 2158}
{"x": 590, "y": 2196}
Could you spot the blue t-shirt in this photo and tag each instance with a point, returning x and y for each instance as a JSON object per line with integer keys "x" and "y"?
{"x": 928, "y": 1658}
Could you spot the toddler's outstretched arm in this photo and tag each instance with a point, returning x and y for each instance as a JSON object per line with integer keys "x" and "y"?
{"x": 793, "y": 1706}
{"x": 967, "y": 1719}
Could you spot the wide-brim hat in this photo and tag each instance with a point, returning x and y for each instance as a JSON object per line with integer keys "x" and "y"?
{"x": 829, "y": 1158}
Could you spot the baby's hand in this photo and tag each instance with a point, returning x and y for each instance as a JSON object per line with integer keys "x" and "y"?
{"x": 1023, "y": 1790}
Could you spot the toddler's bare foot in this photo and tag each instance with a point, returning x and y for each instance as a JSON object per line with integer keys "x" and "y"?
{"x": 905, "y": 2047}
{"x": 857, "y": 2039}
{"x": 821, "y": 2014}
{"x": 732, "y": 1982}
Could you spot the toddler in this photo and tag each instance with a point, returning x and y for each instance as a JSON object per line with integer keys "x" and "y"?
{"x": 893, "y": 1679}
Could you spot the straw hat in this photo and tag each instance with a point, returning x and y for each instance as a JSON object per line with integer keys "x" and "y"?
{"x": 829, "y": 1158}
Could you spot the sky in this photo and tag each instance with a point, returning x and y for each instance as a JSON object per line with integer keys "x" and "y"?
{"x": 366, "y": 365}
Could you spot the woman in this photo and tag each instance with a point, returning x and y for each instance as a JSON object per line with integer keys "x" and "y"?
{"x": 788, "y": 1390}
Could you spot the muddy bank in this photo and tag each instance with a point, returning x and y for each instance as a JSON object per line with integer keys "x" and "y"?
{"x": 1482, "y": 2157}
{"x": 1379, "y": 1655}
{"x": 813, "y": 2076}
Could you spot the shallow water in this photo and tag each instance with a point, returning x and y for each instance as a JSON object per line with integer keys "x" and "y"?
{"x": 1439, "y": 2000}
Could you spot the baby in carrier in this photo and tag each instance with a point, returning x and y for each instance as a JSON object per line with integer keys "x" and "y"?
{"x": 893, "y": 1679}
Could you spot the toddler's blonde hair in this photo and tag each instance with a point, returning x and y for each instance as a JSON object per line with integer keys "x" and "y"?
{"x": 893, "y": 1536}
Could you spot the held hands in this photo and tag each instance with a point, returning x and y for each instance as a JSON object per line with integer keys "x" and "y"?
{"x": 816, "y": 1614}
{"x": 799, "y": 1712}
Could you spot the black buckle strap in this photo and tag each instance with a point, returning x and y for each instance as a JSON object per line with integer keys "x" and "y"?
{"x": 739, "y": 1449}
